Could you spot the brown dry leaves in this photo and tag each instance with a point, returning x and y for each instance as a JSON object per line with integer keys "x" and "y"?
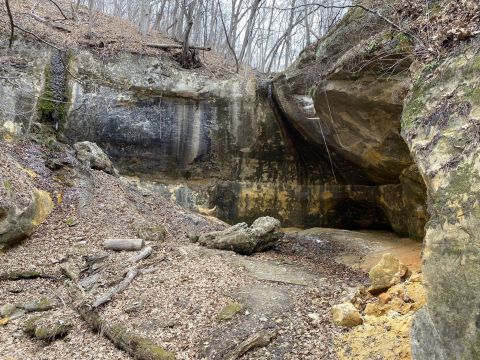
{"x": 108, "y": 36}
{"x": 441, "y": 25}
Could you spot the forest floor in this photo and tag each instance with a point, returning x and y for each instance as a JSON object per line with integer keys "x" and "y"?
{"x": 181, "y": 303}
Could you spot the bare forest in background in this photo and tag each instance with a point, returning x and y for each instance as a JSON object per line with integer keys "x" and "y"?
{"x": 265, "y": 34}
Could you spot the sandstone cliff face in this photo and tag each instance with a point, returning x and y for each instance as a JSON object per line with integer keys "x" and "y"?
{"x": 223, "y": 138}
{"x": 441, "y": 123}
{"x": 345, "y": 97}
{"x": 248, "y": 148}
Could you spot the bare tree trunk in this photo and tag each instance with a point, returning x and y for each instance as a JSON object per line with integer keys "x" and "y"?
{"x": 249, "y": 28}
{"x": 307, "y": 25}
{"x": 12, "y": 25}
{"x": 288, "y": 37}
{"x": 144, "y": 17}
{"x": 188, "y": 57}
{"x": 91, "y": 5}
{"x": 228, "y": 40}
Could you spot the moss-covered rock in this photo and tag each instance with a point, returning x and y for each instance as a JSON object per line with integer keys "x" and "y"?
{"x": 7, "y": 310}
{"x": 22, "y": 206}
{"x": 229, "y": 311}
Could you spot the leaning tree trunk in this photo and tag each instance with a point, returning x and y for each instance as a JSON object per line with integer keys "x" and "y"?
{"x": 188, "y": 57}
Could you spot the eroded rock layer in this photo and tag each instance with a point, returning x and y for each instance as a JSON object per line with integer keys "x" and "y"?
{"x": 441, "y": 123}
{"x": 238, "y": 147}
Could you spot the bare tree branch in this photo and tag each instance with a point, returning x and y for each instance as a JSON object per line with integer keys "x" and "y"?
{"x": 59, "y": 9}
{"x": 358, "y": 6}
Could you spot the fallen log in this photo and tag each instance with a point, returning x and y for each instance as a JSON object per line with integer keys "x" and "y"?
{"x": 136, "y": 346}
{"x": 123, "y": 244}
{"x": 26, "y": 275}
{"x": 177, "y": 46}
{"x": 141, "y": 255}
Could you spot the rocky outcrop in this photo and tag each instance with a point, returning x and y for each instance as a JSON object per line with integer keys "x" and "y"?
{"x": 441, "y": 123}
{"x": 344, "y": 97}
{"x": 263, "y": 233}
{"x": 22, "y": 206}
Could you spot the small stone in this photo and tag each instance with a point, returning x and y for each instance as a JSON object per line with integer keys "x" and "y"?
{"x": 263, "y": 319}
{"x": 151, "y": 232}
{"x": 388, "y": 272}
{"x": 4, "y": 321}
{"x": 193, "y": 238}
{"x": 416, "y": 278}
{"x": 346, "y": 314}
{"x": 384, "y": 298}
{"x": 71, "y": 222}
{"x": 314, "y": 316}
{"x": 374, "y": 309}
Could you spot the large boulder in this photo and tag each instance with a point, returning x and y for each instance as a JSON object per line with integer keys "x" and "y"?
{"x": 91, "y": 155}
{"x": 22, "y": 206}
{"x": 242, "y": 239}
